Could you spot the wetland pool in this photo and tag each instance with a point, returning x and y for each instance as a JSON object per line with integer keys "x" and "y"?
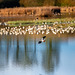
{"x": 22, "y": 55}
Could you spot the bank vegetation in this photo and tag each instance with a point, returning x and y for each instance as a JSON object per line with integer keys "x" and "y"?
{"x": 35, "y": 3}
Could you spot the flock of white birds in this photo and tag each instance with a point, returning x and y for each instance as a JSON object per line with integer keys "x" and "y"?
{"x": 36, "y": 29}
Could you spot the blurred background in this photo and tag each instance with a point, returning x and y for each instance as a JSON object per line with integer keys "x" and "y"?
{"x": 34, "y": 3}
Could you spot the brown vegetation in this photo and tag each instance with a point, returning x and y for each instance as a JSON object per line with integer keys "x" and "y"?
{"x": 35, "y": 11}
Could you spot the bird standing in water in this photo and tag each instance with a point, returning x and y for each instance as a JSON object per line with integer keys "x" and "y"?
{"x": 42, "y": 39}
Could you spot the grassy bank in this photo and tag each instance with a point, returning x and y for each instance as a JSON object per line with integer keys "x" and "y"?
{"x": 67, "y": 21}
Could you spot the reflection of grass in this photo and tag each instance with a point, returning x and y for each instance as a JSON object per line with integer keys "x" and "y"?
{"x": 39, "y": 22}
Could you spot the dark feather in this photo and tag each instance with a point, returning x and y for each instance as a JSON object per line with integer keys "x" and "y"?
{"x": 44, "y": 37}
{"x": 39, "y": 42}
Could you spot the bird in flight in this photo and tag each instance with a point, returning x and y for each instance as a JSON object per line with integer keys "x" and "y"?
{"x": 42, "y": 39}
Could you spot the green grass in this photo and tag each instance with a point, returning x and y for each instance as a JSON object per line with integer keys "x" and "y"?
{"x": 39, "y": 22}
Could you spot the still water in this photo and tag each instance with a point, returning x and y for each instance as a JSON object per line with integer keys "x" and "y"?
{"x": 22, "y": 55}
{"x": 24, "y": 18}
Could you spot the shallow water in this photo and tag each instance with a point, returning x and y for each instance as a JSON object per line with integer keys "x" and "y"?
{"x": 22, "y": 55}
{"x": 24, "y": 18}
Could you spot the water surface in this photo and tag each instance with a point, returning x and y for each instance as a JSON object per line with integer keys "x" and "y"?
{"x": 22, "y": 55}
{"x": 24, "y": 18}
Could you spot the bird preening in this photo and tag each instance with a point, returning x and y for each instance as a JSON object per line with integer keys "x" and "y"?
{"x": 42, "y": 39}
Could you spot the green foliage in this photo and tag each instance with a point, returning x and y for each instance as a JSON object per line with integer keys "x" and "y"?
{"x": 49, "y": 2}
{"x": 29, "y": 3}
{"x": 40, "y": 2}
{"x": 34, "y": 3}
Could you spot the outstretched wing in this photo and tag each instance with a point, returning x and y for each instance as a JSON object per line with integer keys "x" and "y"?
{"x": 44, "y": 37}
{"x": 39, "y": 42}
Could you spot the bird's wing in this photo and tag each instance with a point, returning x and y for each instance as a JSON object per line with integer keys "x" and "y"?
{"x": 39, "y": 42}
{"x": 44, "y": 37}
